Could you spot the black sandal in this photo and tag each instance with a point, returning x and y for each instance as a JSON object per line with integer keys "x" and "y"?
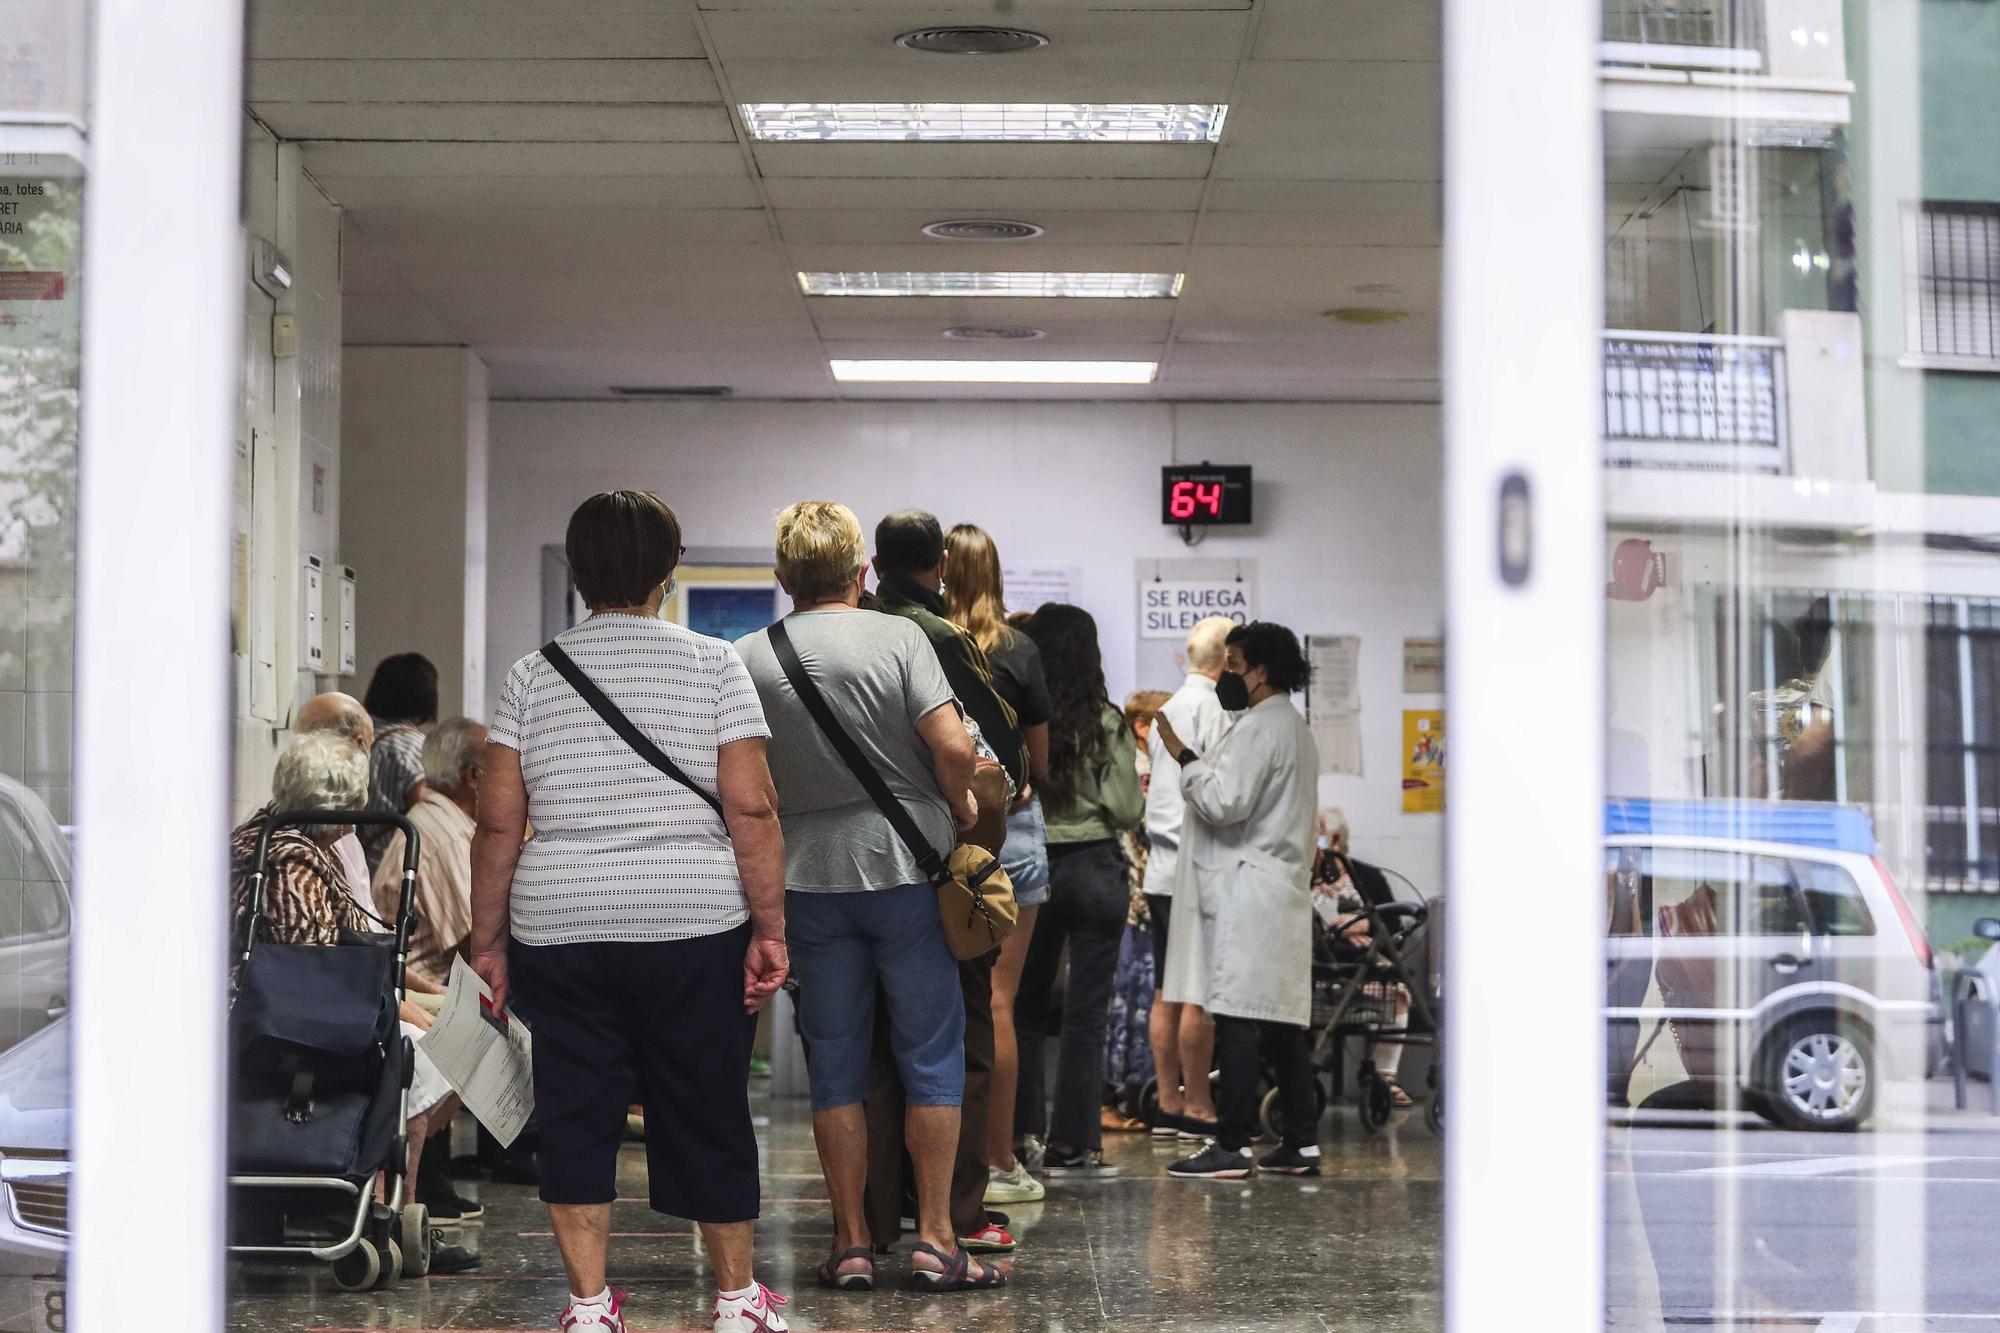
{"x": 957, "y": 1274}
{"x": 831, "y": 1276}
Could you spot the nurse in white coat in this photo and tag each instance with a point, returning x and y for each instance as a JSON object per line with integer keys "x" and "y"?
{"x": 1241, "y": 946}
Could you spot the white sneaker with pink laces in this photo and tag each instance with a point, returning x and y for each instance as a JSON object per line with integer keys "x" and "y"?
{"x": 755, "y": 1313}
{"x": 605, "y": 1315}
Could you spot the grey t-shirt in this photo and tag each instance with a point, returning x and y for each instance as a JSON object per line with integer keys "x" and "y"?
{"x": 879, "y": 675}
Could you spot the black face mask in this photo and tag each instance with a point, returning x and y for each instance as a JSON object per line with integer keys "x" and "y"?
{"x": 1232, "y": 692}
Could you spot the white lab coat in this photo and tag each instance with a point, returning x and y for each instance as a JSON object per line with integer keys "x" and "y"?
{"x": 1241, "y": 942}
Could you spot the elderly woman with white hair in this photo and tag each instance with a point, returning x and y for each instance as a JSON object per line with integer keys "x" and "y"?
{"x": 305, "y": 902}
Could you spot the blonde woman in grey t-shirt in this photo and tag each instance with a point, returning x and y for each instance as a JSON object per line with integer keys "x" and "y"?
{"x": 859, "y": 912}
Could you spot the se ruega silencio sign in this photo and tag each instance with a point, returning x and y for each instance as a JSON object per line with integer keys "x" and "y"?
{"x": 1169, "y": 608}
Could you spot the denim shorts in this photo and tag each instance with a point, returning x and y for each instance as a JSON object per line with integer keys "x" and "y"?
{"x": 844, "y": 946}
{"x": 1025, "y": 854}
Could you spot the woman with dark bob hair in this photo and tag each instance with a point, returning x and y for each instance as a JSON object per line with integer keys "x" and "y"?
{"x": 403, "y": 699}
{"x": 642, "y": 927}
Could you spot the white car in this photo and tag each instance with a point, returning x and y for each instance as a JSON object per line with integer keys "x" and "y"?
{"x": 1794, "y": 979}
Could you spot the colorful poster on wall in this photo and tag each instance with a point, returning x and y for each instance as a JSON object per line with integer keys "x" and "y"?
{"x": 1423, "y": 761}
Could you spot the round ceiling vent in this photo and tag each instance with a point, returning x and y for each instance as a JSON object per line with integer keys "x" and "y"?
{"x": 993, "y": 333}
{"x": 981, "y": 229}
{"x": 971, "y": 39}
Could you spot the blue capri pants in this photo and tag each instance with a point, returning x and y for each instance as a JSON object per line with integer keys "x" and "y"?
{"x": 844, "y": 944}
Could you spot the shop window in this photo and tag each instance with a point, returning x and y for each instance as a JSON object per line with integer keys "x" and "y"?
{"x": 1952, "y": 269}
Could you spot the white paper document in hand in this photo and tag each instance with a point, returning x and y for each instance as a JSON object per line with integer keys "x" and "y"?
{"x": 486, "y": 1055}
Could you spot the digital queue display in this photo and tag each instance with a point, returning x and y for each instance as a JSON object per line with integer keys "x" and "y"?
{"x": 1198, "y": 495}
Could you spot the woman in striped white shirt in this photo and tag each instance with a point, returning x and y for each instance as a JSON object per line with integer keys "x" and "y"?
{"x": 643, "y": 925}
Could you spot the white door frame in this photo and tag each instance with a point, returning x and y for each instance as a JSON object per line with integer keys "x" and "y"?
{"x": 161, "y": 323}
{"x": 1524, "y": 913}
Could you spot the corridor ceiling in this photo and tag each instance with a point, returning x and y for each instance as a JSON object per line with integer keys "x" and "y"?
{"x": 568, "y": 188}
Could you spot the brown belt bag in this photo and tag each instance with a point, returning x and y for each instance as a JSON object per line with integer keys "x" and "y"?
{"x": 975, "y": 897}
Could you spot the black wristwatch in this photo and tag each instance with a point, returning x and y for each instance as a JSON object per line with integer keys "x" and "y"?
{"x": 1186, "y": 757}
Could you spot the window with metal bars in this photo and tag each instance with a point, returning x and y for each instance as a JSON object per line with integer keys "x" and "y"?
{"x": 1957, "y": 670}
{"x": 1952, "y": 280}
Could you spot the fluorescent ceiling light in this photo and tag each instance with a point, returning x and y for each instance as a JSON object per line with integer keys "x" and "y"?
{"x": 985, "y": 122}
{"x": 994, "y": 372}
{"x": 992, "y": 284}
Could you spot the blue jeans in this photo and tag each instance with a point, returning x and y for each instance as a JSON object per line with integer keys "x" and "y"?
{"x": 843, "y": 945}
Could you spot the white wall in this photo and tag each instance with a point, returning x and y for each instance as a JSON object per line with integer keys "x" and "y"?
{"x": 1346, "y": 539}
{"x": 293, "y": 403}
{"x": 413, "y": 451}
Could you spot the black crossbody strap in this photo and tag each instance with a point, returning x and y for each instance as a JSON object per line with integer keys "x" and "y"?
{"x": 857, "y": 761}
{"x": 641, "y": 745}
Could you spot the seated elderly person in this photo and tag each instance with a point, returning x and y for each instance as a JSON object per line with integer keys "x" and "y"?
{"x": 443, "y": 817}
{"x": 305, "y": 902}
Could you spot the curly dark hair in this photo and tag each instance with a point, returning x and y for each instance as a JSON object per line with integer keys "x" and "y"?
{"x": 1074, "y": 666}
{"x": 1267, "y": 644}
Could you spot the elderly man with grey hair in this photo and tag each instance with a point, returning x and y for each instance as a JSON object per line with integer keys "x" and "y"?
{"x": 443, "y": 818}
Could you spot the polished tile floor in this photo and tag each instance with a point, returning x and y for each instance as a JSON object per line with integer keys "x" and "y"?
{"x": 1355, "y": 1250}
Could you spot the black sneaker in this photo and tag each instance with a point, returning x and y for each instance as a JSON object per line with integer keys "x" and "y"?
{"x": 448, "y": 1259}
{"x": 1077, "y": 1162}
{"x": 1289, "y": 1161}
{"x": 1215, "y": 1162}
{"x": 447, "y": 1204}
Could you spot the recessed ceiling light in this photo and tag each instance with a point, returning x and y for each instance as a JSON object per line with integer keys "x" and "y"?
{"x": 994, "y": 372}
{"x": 986, "y": 122}
{"x": 981, "y": 229}
{"x": 971, "y": 39}
{"x": 980, "y": 333}
{"x": 1364, "y": 314}
{"x": 992, "y": 284}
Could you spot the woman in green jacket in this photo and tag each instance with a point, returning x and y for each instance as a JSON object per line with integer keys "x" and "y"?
{"x": 1091, "y": 795}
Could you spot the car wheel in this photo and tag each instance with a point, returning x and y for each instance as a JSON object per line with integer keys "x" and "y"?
{"x": 1820, "y": 1075}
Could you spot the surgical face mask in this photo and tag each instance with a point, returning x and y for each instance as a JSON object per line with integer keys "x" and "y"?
{"x": 1232, "y": 692}
{"x": 667, "y": 597}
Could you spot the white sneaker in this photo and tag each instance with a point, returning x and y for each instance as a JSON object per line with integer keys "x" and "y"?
{"x": 758, "y": 1314}
{"x": 1015, "y": 1186}
{"x": 609, "y": 1317}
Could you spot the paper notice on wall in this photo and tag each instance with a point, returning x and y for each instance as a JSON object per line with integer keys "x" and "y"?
{"x": 1169, "y": 608}
{"x": 1333, "y": 701}
{"x": 486, "y": 1055}
{"x": 1423, "y": 666}
{"x": 1028, "y": 586}
{"x": 1339, "y": 741}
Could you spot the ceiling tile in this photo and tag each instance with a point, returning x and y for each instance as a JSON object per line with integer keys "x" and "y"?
{"x": 1079, "y": 40}
{"x": 1226, "y": 227}
{"x": 471, "y": 29}
{"x": 518, "y": 122}
{"x": 335, "y": 158}
{"x": 462, "y": 196}
{"x": 942, "y": 195}
{"x": 992, "y": 160}
{"x": 1350, "y": 30}
{"x": 934, "y": 80}
{"x": 815, "y": 226}
{"x": 274, "y": 81}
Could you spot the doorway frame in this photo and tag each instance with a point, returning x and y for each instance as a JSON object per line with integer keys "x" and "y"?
{"x": 162, "y": 320}
{"x": 1524, "y": 538}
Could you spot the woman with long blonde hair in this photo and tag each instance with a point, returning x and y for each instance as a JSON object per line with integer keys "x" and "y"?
{"x": 975, "y": 601}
